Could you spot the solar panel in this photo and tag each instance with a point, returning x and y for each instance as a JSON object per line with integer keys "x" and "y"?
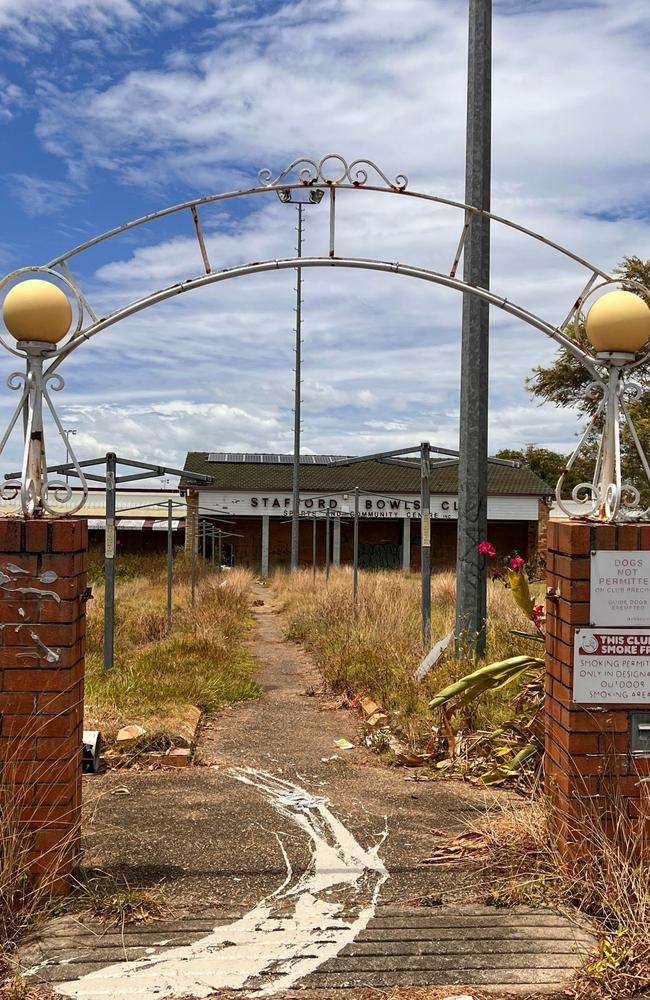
{"x": 255, "y": 458}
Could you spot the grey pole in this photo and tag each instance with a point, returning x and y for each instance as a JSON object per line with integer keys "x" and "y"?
{"x": 355, "y": 577}
{"x": 295, "y": 513}
{"x": 194, "y": 516}
{"x": 327, "y": 544}
{"x": 313, "y": 547}
{"x": 109, "y": 563}
{"x": 472, "y": 470}
{"x": 219, "y": 551}
{"x": 425, "y": 543}
{"x": 213, "y": 550}
{"x": 204, "y": 536}
{"x": 170, "y": 564}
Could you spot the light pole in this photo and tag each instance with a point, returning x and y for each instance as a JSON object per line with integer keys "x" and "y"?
{"x": 38, "y": 315}
{"x": 314, "y": 197}
{"x": 472, "y": 471}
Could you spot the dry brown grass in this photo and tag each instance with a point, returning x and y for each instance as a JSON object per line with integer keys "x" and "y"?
{"x": 373, "y": 647}
{"x": 608, "y": 882}
{"x": 200, "y": 662}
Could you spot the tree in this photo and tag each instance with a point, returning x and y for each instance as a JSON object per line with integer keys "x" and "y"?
{"x": 564, "y": 383}
{"x": 548, "y": 464}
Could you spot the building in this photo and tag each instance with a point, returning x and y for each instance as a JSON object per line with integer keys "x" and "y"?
{"x": 254, "y": 493}
{"x": 141, "y": 516}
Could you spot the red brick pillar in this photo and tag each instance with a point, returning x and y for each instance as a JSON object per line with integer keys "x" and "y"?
{"x": 590, "y": 771}
{"x": 42, "y": 643}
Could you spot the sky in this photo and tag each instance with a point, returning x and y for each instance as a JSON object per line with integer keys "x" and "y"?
{"x": 112, "y": 109}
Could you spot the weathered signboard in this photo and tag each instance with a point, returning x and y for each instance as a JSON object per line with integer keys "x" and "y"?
{"x": 620, "y": 588}
{"x": 611, "y": 666}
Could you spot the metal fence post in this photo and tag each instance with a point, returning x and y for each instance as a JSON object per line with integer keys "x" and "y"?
{"x": 425, "y": 543}
{"x": 194, "y": 517}
{"x": 355, "y": 575}
{"x": 219, "y": 552}
{"x": 110, "y": 544}
{"x": 313, "y": 547}
{"x": 170, "y": 563}
{"x": 327, "y": 544}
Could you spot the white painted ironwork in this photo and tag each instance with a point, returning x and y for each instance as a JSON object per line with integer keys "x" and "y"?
{"x": 34, "y": 487}
{"x": 607, "y": 497}
{"x": 332, "y": 172}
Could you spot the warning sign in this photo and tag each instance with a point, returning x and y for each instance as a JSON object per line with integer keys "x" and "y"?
{"x": 611, "y": 666}
{"x": 620, "y": 588}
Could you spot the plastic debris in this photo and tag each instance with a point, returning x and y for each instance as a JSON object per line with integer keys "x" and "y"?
{"x": 344, "y": 744}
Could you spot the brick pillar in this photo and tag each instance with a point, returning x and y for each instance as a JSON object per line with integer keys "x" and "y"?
{"x": 588, "y": 764}
{"x": 192, "y": 504}
{"x": 42, "y": 644}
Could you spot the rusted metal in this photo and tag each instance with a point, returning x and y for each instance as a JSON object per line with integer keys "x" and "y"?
{"x": 199, "y": 236}
{"x": 461, "y": 244}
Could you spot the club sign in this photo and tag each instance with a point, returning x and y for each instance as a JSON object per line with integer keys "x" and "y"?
{"x": 611, "y": 666}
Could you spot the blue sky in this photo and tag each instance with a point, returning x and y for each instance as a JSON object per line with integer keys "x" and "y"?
{"x": 115, "y": 108}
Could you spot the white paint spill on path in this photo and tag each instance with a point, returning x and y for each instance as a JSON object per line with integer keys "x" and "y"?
{"x": 284, "y": 948}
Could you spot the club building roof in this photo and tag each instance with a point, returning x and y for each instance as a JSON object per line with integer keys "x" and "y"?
{"x": 251, "y": 472}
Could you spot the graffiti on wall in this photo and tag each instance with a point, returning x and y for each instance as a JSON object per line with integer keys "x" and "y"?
{"x": 383, "y": 555}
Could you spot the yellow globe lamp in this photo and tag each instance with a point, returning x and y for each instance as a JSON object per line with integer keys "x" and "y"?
{"x": 618, "y": 323}
{"x": 37, "y": 310}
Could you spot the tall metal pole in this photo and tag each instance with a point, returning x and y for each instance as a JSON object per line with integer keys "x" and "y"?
{"x": 295, "y": 513}
{"x": 471, "y": 580}
{"x": 425, "y": 543}
{"x": 355, "y": 560}
{"x": 194, "y": 517}
{"x": 170, "y": 563}
{"x": 213, "y": 550}
{"x": 327, "y": 544}
{"x": 313, "y": 547}
{"x": 219, "y": 551}
{"x": 109, "y": 563}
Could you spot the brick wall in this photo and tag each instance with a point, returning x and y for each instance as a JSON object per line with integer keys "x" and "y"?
{"x": 588, "y": 764}
{"x": 42, "y": 645}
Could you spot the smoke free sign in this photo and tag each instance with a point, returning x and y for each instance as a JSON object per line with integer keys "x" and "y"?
{"x": 611, "y": 666}
{"x": 620, "y": 588}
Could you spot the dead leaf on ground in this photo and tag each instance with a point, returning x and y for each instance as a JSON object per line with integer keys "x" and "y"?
{"x": 468, "y": 846}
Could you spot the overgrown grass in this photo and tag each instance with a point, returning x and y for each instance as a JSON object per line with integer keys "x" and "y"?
{"x": 200, "y": 662}
{"x": 373, "y": 647}
{"x": 609, "y": 881}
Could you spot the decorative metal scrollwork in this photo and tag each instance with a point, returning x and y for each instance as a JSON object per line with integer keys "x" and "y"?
{"x": 35, "y": 384}
{"x": 333, "y": 170}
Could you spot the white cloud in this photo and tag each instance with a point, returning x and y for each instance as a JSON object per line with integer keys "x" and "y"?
{"x": 270, "y": 82}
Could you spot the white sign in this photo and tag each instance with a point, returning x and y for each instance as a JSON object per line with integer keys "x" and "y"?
{"x": 244, "y": 503}
{"x": 620, "y": 588}
{"x": 611, "y": 666}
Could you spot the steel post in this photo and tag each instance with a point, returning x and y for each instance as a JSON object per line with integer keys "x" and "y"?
{"x": 109, "y": 563}
{"x": 295, "y": 513}
{"x": 194, "y": 517}
{"x": 219, "y": 551}
{"x": 425, "y": 543}
{"x": 355, "y": 572}
{"x": 213, "y": 548}
{"x": 170, "y": 562}
{"x": 313, "y": 547}
{"x": 327, "y": 544}
{"x": 471, "y": 580}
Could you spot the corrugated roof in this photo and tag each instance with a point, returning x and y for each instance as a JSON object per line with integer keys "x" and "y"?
{"x": 376, "y": 476}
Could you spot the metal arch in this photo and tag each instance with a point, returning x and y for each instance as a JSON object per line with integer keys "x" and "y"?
{"x": 262, "y": 267}
{"x": 195, "y": 203}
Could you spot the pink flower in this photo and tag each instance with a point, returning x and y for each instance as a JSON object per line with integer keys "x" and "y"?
{"x": 487, "y": 549}
{"x": 537, "y": 614}
{"x": 516, "y": 563}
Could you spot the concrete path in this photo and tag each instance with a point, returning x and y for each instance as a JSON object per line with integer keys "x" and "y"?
{"x": 293, "y": 863}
